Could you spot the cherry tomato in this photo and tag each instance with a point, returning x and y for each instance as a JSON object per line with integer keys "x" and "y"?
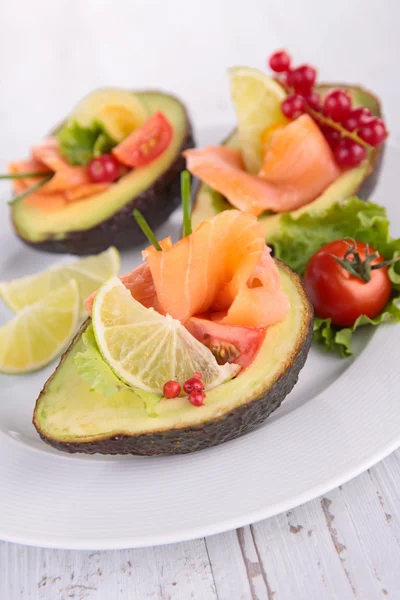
{"x": 145, "y": 144}
{"x": 340, "y": 296}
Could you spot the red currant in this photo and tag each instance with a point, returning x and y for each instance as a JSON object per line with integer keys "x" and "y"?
{"x": 356, "y": 118}
{"x": 293, "y": 106}
{"x": 197, "y": 398}
{"x": 348, "y": 153}
{"x": 197, "y": 375}
{"x": 193, "y": 384}
{"x": 332, "y": 136}
{"x": 374, "y": 132}
{"x": 171, "y": 389}
{"x": 302, "y": 79}
{"x": 279, "y": 61}
{"x": 313, "y": 99}
{"x": 337, "y": 105}
{"x": 104, "y": 168}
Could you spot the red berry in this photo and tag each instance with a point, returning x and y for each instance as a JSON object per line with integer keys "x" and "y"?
{"x": 197, "y": 375}
{"x": 337, "y": 105}
{"x": 302, "y": 79}
{"x": 104, "y": 168}
{"x": 293, "y": 106}
{"x": 171, "y": 389}
{"x": 357, "y": 118}
{"x": 279, "y": 61}
{"x": 193, "y": 384}
{"x": 348, "y": 153}
{"x": 313, "y": 99}
{"x": 197, "y": 398}
{"x": 374, "y": 132}
{"x": 332, "y": 136}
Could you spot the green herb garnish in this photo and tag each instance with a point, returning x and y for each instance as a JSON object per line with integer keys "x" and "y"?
{"x": 30, "y": 190}
{"x": 185, "y": 192}
{"x": 145, "y": 227}
{"x": 23, "y": 175}
{"x": 80, "y": 144}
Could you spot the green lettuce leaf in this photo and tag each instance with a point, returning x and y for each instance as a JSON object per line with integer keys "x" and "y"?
{"x": 101, "y": 379}
{"x": 301, "y": 237}
{"x": 80, "y": 144}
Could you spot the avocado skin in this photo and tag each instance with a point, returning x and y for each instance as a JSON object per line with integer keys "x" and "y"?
{"x": 212, "y": 433}
{"x": 156, "y": 203}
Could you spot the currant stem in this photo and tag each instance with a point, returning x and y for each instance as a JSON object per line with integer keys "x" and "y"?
{"x": 145, "y": 227}
{"x": 335, "y": 125}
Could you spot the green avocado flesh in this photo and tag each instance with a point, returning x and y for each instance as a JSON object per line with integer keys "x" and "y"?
{"x": 208, "y": 202}
{"x": 35, "y": 225}
{"x": 70, "y": 417}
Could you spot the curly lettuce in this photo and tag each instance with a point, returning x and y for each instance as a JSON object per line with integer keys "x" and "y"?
{"x": 80, "y": 144}
{"x": 300, "y": 237}
{"x": 91, "y": 366}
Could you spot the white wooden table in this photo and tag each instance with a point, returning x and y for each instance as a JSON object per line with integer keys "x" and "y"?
{"x": 345, "y": 545}
{"x": 342, "y": 546}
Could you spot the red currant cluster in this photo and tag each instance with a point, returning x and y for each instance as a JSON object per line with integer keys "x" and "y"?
{"x": 193, "y": 386}
{"x": 348, "y": 131}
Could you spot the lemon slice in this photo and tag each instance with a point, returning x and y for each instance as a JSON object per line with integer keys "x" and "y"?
{"x": 146, "y": 349}
{"x": 257, "y": 99}
{"x": 119, "y": 111}
{"x": 40, "y": 332}
{"x": 89, "y": 273}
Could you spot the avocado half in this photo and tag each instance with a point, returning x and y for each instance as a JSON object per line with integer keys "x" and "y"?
{"x": 92, "y": 225}
{"x": 70, "y": 417}
{"x": 360, "y": 180}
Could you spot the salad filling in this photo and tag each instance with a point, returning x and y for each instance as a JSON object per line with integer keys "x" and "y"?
{"x": 292, "y": 143}
{"x": 197, "y": 318}
{"x": 82, "y": 161}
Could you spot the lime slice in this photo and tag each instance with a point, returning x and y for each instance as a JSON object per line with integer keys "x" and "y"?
{"x": 40, "y": 332}
{"x": 146, "y": 349}
{"x": 89, "y": 273}
{"x": 257, "y": 99}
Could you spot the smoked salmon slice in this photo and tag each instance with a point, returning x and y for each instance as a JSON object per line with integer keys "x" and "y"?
{"x": 85, "y": 190}
{"x": 224, "y": 269}
{"x": 297, "y": 167}
{"x": 65, "y": 176}
{"x": 26, "y": 166}
{"x": 222, "y": 272}
{"x": 140, "y": 284}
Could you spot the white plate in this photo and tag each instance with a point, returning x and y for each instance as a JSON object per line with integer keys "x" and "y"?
{"x": 341, "y": 418}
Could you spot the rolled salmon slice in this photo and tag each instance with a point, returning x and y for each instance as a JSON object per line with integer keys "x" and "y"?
{"x": 224, "y": 269}
{"x": 298, "y": 166}
{"x": 65, "y": 176}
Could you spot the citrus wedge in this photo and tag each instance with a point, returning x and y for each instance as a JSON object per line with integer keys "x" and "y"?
{"x": 257, "y": 99}
{"x": 146, "y": 349}
{"x": 40, "y": 332}
{"x": 89, "y": 273}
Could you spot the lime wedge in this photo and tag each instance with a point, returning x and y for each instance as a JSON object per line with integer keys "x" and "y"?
{"x": 89, "y": 273}
{"x": 146, "y": 349}
{"x": 40, "y": 332}
{"x": 257, "y": 99}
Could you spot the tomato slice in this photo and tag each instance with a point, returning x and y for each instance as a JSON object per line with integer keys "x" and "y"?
{"x": 228, "y": 343}
{"x": 145, "y": 144}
